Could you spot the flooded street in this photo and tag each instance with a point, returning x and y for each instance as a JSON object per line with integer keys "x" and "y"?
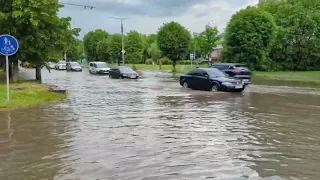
{"x": 154, "y": 129}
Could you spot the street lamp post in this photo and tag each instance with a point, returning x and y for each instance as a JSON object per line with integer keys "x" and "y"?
{"x": 122, "y": 36}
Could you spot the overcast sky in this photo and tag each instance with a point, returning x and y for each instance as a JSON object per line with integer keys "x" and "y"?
{"x": 147, "y": 16}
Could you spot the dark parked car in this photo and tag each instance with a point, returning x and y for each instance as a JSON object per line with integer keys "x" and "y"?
{"x": 123, "y": 72}
{"x": 235, "y": 70}
{"x": 210, "y": 79}
{"x": 73, "y": 66}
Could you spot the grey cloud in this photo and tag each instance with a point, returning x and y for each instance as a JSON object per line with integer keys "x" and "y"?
{"x": 202, "y": 14}
{"x": 150, "y": 8}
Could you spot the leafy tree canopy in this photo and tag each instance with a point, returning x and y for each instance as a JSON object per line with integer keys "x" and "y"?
{"x": 173, "y": 41}
{"x": 248, "y": 38}
{"x": 91, "y": 40}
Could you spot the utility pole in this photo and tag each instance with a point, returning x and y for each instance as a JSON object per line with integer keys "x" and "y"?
{"x": 122, "y": 36}
{"x": 194, "y": 47}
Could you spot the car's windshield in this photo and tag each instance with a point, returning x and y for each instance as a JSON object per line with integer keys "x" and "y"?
{"x": 102, "y": 65}
{"x": 216, "y": 73}
{"x": 126, "y": 69}
{"x": 74, "y": 64}
{"x": 61, "y": 62}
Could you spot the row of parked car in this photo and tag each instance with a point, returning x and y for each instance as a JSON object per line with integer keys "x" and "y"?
{"x": 97, "y": 68}
{"x": 218, "y": 77}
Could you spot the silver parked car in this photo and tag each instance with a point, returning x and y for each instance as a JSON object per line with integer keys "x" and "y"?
{"x": 61, "y": 65}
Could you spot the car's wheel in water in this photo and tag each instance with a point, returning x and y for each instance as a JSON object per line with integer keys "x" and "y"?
{"x": 185, "y": 84}
{"x": 214, "y": 87}
{"x": 110, "y": 76}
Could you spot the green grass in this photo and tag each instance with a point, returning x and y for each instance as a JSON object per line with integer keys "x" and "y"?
{"x": 290, "y": 78}
{"x": 299, "y": 78}
{"x": 27, "y": 93}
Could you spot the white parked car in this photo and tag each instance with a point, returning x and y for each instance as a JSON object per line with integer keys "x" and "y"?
{"x": 98, "y": 68}
{"x": 61, "y": 65}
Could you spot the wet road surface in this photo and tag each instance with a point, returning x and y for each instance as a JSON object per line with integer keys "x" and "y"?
{"x": 152, "y": 128}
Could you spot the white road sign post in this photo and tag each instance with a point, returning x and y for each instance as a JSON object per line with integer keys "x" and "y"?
{"x": 8, "y": 47}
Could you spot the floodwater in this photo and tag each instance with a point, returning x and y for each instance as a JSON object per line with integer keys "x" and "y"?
{"x": 154, "y": 129}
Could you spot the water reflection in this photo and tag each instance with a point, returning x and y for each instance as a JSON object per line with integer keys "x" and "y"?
{"x": 29, "y": 141}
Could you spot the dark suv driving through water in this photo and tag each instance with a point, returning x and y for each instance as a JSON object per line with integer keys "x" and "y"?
{"x": 235, "y": 70}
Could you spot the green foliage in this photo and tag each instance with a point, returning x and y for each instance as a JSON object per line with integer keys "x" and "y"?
{"x": 185, "y": 62}
{"x": 151, "y": 38}
{"x": 248, "y": 38}
{"x": 208, "y": 39}
{"x": 149, "y": 61}
{"x": 41, "y": 33}
{"x": 102, "y": 50}
{"x": 134, "y": 48}
{"x": 75, "y": 51}
{"x": 164, "y": 61}
{"x": 154, "y": 51}
{"x": 194, "y": 46}
{"x": 298, "y": 39}
{"x": 134, "y": 67}
{"x": 114, "y": 47}
{"x": 173, "y": 41}
{"x": 91, "y": 40}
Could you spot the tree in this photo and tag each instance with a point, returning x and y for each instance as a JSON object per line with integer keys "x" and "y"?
{"x": 154, "y": 51}
{"x": 248, "y": 38}
{"x": 75, "y": 51}
{"x": 91, "y": 40}
{"x": 114, "y": 48}
{"x": 134, "y": 47}
{"x": 194, "y": 45}
{"x": 151, "y": 38}
{"x": 102, "y": 51}
{"x": 208, "y": 39}
{"x": 41, "y": 33}
{"x": 173, "y": 41}
{"x": 297, "y": 43}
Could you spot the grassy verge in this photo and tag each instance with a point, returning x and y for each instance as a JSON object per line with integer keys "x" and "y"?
{"x": 298, "y": 78}
{"x": 84, "y": 65}
{"x": 27, "y": 93}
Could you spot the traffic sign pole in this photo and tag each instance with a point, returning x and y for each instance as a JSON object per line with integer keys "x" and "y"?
{"x": 8, "y": 84}
{"x": 8, "y": 47}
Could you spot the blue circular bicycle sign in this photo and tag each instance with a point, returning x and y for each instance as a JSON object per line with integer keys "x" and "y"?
{"x": 8, "y": 45}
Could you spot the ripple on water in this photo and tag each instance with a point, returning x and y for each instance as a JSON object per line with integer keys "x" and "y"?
{"x": 154, "y": 129}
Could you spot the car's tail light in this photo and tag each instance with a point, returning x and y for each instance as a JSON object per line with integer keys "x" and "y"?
{"x": 236, "y": 71}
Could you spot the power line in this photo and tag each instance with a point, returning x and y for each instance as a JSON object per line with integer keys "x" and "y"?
{"x": 79, "y": 5}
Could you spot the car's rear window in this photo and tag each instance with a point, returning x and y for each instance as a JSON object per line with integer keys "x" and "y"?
{"x": 241, "y": 67}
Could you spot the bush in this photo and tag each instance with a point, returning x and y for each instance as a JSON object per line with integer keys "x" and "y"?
{"x": 149, "y": 61}
{"x": 164, "y": 61}
{"x": 134, "y": 67}
{"x": 186, "y": 62}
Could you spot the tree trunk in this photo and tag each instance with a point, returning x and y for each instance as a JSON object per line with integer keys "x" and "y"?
{"x": 3, "y": 62}
{"x": 174, "y": 62}
{"x": 38, "y": 73}
{"x": 10, "y": 70}
{"x": 15, "y": 69}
